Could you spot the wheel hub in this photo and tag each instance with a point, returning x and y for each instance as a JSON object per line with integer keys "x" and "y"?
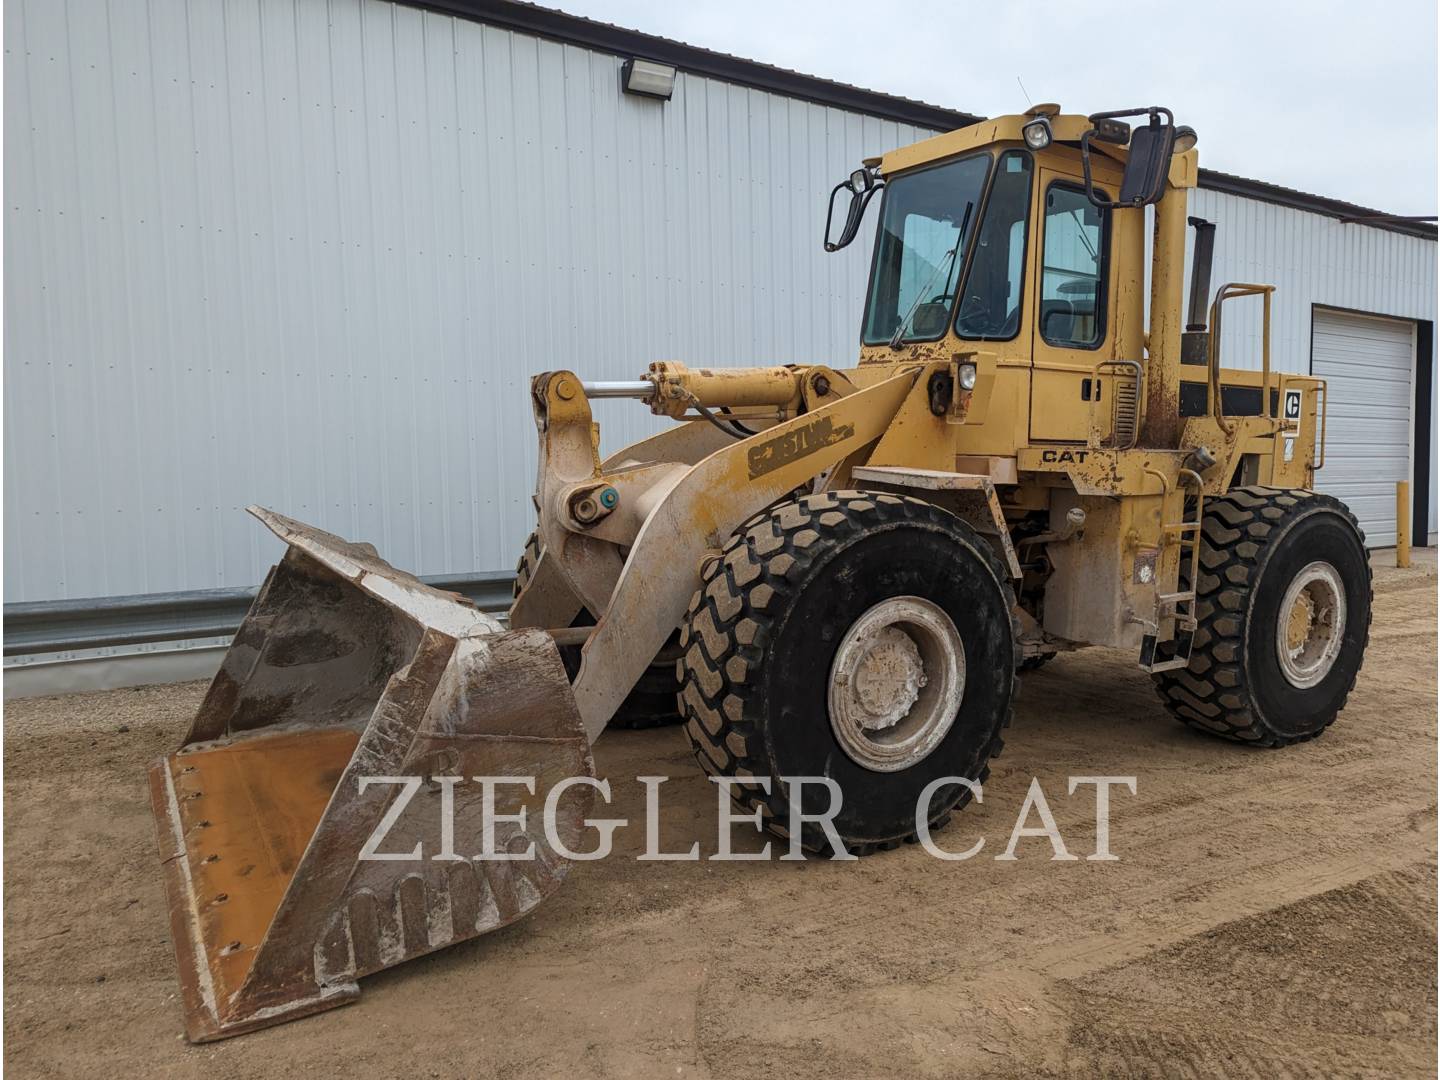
{"x": 888, "y": 678}
{"x": 896, "y": 683}
{"x": 1311, "y": 626}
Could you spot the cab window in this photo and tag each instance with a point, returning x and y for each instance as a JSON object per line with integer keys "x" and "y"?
{"x": 1072, "y": 281}
{"x": 926, "y": 222}
{"x": 990, "y": 300}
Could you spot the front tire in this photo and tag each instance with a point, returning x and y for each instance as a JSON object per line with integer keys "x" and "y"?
{"x": 1283, "y": 607}
{"x": 859, "y": 636}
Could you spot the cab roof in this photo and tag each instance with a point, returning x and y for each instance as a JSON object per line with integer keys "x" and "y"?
{"x": 1067, "y": 128}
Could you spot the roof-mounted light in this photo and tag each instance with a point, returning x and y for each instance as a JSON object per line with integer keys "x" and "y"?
{"x": 1036, "y": 133}
{"x": 1185, "y": 139}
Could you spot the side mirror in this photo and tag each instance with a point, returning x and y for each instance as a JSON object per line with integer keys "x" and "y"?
{"x": 862, "y": 186}
{"x": 1146, "y": 165}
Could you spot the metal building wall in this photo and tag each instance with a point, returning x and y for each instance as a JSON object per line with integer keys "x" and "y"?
{"x": 1311, "y": 259}
{"x": 306, "y": 254}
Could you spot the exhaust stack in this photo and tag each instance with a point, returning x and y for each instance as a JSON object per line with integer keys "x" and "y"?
{"x": 1202, "y": 263}
{"x": 1195, "y": 342}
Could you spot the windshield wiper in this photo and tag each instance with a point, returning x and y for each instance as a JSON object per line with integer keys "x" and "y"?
{"x": 897, "y": 339}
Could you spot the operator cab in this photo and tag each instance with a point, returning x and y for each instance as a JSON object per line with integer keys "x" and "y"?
{"x": 951, "y": 243}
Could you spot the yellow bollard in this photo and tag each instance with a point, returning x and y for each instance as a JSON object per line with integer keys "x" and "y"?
{"x": 1402, "y": 523}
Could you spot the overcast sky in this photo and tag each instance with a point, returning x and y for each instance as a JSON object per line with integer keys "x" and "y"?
{"x": 1333, "y": 98}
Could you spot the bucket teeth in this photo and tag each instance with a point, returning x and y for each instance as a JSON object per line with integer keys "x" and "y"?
{"x": 301, "y": 823}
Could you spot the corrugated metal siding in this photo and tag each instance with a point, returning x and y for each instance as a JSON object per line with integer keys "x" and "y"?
{"x": 1311, "y": 260}
{"x": 306, "y": 254}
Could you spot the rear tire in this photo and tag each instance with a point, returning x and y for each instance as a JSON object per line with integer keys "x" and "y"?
{"x": 776, "y": 683}
{"x": 652, "y": 702}
{"x": 1283, "y": 607}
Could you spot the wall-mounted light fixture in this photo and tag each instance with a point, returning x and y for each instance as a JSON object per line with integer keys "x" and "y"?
{"x": 647, "y": 78}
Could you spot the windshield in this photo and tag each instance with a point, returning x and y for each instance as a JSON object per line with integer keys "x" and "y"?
{"x": 990, "y": 309}
{"x": 925, "y": 226}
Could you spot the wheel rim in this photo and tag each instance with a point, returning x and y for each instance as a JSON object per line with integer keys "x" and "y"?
{"x": 896, "y": 683}
{"x": 1311, "y": 627}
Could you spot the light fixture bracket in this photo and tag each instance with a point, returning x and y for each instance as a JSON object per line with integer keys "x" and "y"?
{"x": 647, "y": 78}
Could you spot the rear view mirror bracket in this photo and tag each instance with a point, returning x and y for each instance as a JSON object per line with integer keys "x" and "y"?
{"x": 860, "y": 196}
{"x": 1148, "y": 162}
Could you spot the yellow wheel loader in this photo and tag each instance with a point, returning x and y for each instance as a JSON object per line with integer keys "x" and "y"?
{"x": 839, "y": 571}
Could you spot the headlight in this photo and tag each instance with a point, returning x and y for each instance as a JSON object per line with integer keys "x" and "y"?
{"x": 967, "y": 376}
{"x": 1037, "y": 133}
{"x": 860, "y": 180}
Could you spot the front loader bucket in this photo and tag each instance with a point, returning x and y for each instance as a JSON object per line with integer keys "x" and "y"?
{"x": 270, "y": 816}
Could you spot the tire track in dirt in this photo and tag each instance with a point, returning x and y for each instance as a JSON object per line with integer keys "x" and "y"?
{"x": 1267, "y": 917}
{"x": 1302, "y": 881}
{"x": 1274, "y": 986}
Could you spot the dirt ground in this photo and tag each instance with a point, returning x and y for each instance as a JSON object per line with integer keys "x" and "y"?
{"x": 1272, "y": 913}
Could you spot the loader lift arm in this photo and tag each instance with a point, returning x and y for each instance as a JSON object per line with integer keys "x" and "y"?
{"x": 646, "y": 599}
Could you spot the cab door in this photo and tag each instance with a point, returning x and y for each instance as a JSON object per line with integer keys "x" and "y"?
{"x": 1072, "y": 303}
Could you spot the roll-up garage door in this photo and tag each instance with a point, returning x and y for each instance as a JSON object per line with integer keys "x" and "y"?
{"x": 1369, "y": 366}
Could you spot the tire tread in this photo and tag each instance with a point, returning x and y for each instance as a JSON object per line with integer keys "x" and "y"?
{"x": 1212, "y": 694}
{"x": 735, "y": 608}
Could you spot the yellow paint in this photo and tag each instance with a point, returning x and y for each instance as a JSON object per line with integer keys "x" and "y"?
{"x": 1026, "y": 425}
{"x": 1402, "y": 523}
{"x": 679, "y": 387}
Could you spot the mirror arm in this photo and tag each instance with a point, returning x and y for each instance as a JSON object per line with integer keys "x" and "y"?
{"x": 1090, "y": 193}
{"x": 853, "y": 216}
{"x": 1154, "y": 113}
{"x": 830, "y": 212}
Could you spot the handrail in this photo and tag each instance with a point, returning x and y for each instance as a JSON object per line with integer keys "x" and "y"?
{"x": 1322, "y": 410}
{"x": 1230, "y": 291}
{"x": 1164, "y": 480}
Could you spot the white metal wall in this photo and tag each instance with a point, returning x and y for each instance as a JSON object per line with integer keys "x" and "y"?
{"x": 1311, "y": 259}
{"x": 306, "y": 254}
{"x": 1369, "y": 368}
